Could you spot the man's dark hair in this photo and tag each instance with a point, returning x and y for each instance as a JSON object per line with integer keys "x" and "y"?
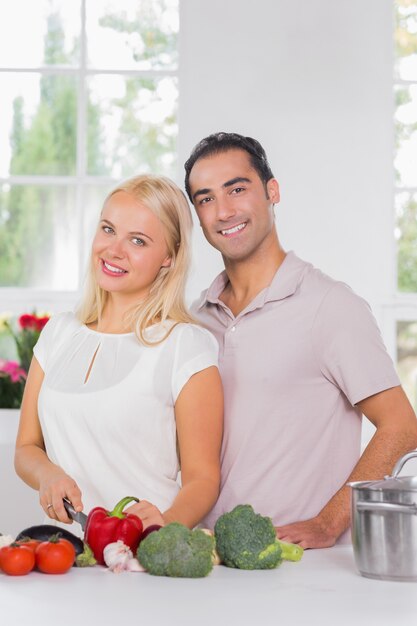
{"x": 222, "y": 142}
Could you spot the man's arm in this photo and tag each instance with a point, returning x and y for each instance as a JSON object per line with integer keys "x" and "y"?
{"x": 396, "y": 434}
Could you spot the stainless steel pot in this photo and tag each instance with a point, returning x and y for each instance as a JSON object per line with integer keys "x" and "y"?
{"x": 384, "y": 525}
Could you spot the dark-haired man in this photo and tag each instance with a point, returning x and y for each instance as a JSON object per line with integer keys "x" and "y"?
{"x": 301, "y": 359}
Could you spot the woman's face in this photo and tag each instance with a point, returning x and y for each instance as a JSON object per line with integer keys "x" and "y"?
{"x": 129, "y": 247}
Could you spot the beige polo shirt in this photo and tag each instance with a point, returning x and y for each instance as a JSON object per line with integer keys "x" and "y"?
{"x": 294, "y": 364}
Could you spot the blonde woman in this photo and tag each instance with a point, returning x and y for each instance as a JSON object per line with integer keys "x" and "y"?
{"x": 119, "y": 391}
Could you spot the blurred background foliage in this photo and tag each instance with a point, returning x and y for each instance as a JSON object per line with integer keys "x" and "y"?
{"x": 405, "y": 132}
{"x": 45, "y": 143}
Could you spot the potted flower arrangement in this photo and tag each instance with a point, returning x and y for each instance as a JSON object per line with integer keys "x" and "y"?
{"x": 12, "y": 374}
{"x": 14, "y": 363}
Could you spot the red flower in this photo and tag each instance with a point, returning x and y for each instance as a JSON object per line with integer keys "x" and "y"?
{"x": 40, "y": 322}
{"x": 28, "y": 321}
{"x": 32, "y": 322}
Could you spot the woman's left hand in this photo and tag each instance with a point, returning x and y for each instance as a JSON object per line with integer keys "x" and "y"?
{"x": 148, "y": 513}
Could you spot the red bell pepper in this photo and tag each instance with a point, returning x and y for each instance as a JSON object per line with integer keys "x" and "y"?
{"x": 104, "y": 527}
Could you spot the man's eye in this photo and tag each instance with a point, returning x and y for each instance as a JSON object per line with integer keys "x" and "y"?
{"x": 204, "y": 200}
{"x": 138, "y": 242}
{"x": 237, "y": 190}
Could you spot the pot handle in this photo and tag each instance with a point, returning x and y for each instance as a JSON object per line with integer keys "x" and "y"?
{"x": 385, "y": 507}
{"x": 401, "y": 462}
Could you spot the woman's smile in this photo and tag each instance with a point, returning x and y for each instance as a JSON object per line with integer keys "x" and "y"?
{"x": 112, "y": 270}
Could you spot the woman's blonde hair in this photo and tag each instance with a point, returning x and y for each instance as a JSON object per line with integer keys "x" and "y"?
{"x": 166, "y": 299}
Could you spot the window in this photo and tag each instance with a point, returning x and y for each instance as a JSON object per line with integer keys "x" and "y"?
{"x": 405, "y": 164}
{"x": 90, "y": 98}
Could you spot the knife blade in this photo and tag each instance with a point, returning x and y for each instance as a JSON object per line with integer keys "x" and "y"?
{"x": 77, "y": 516}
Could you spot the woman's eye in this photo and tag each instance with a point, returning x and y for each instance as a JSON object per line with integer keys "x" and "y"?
{"x": 138, "y": 242}
{"x": 108, "y": 229}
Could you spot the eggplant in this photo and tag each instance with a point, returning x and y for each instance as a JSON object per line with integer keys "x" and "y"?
{"x": 150, "y": 529}
{"x": 44, "y": 532}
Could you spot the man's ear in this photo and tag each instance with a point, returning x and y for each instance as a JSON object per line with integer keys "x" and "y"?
{"x": 272, "y": 188}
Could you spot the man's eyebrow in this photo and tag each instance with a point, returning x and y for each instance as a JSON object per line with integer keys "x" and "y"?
{"x": 228, "y": 183}
{"x": 201, "y": 192}
{"x": 136, "y": 233}
{"x": 238, "y": 179}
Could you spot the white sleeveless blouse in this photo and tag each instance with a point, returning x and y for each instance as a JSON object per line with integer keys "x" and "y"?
{"x": 114, "y": 432}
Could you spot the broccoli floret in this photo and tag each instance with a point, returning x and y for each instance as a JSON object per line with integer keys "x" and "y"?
{"x": 177, "y": 551}
{"x": 247, "y": 540}
{"x": 290, "y": 551}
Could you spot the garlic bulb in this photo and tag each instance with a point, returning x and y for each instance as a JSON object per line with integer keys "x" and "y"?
{"x": 215, "y": 559}
{"x": 119, "y": 558}
{"x": 134, "y": 566}
{"x": 116, "y": 555}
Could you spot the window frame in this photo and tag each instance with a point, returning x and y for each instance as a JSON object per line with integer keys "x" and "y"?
{"x": 15, "y": 300}
{"x": 400, "y": 306}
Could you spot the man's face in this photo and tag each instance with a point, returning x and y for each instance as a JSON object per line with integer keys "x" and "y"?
{"x": 233, "y": 206}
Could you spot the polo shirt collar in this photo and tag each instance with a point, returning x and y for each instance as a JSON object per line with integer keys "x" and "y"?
{"x": 287, "y": 278}
{"x": 284, "y": 284}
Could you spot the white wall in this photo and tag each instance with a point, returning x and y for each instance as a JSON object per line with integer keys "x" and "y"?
{"x": 312, "y": 80}
{"x": 19, "y": 505}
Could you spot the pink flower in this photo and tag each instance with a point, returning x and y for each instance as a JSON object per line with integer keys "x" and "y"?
{"x": 13, "y": 370}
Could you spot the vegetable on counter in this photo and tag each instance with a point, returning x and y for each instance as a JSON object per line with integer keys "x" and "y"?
{"x": 104, "y": 527}
{"x": 44, "y": 532}
{"x": 86, "y": 558}
{"x": 119, "y": 558}
{"x": 177, "y": 551}
{"x": 290, "y": 551}
{"x": 55, "y": 556}
{"x": 214, "y": 555}
{"x": 16, "y": 560}
{"x": 32, "y": 544}
{"x": 246, "y": 540}
{"x": 148, "y": 530}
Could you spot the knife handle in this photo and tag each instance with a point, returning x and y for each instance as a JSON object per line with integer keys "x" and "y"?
{"x": 68, "y": 507}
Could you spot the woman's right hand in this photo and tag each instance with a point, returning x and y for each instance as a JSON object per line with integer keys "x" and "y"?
{"x": 31, "y": 461}
{"x": 54, "y": 486}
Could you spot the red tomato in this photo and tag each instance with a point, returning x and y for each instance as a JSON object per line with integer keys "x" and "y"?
{"x": 32, "y": 544}
{"x": 17, "y": 560}
{"x": 55, "y": 556}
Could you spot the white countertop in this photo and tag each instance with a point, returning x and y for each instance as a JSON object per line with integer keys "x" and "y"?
{"x": 323, "y": 589}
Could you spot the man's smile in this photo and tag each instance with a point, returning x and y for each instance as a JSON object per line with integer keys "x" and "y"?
{"x": 228, "y": 232}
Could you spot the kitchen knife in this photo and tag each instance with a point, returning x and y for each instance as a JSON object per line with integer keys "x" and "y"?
{"x": 77, "y": 516}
